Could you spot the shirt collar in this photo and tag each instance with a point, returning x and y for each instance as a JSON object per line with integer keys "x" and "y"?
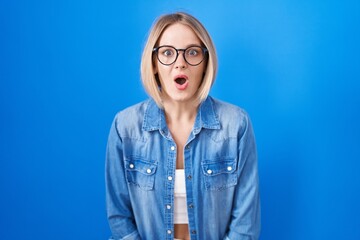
{"x": 154, "y": 118}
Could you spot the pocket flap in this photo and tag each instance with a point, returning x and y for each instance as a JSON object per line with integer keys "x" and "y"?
{"x": 146, "y": 168}
{"x": 213, "y": 168}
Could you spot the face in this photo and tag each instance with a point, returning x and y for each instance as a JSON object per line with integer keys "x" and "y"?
{"x": 180, "y": 80}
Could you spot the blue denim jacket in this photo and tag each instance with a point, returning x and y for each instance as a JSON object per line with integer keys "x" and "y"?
{"x": 222, "y": 183}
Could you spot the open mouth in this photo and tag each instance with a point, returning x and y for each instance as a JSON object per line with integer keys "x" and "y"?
{"x": 180, "y": 81}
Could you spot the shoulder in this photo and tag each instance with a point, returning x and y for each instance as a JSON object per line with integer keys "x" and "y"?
{"x": 227, "y": 111}
{"x": 132, "y": 111}
{"x": 131, "y": 117}
{"x": 232, "y": 118}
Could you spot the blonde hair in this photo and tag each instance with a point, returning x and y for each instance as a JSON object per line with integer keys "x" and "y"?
{"x": 148, "y": 78}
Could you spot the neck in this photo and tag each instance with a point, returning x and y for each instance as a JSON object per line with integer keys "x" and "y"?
{"x": 180, "y": 111}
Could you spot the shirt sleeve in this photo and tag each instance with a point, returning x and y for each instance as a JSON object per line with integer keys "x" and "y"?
{"x": 245, "y": 219}
{"x": 118, "y": 205}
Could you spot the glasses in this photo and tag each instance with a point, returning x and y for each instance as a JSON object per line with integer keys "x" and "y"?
{"x": 193, "y": 55}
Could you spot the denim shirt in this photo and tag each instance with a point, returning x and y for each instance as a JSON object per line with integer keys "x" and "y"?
{"x": 220, "y": 163}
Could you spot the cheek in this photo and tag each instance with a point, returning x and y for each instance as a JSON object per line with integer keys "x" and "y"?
{"x": 163, "y": 71}
{"x": 201, "y": 72}
{"x": 161, "y": 74}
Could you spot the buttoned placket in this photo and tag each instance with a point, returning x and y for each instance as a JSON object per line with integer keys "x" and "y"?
{"x": 189, "y": 184}
{"x": 169, "y": 196}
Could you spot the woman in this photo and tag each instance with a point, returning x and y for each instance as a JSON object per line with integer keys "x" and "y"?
{"x": 181, "y": 165}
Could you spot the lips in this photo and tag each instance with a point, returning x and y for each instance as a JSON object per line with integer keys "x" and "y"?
{"x": 181, "y": 82}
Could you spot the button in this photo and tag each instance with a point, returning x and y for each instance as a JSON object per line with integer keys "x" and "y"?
{"x": 187, "y": 147}
{"x": 193, "y": 232}
{"x": 209, "y": 171}
{"x": 168, "y": 206}
{"x": 172, "y": 148}
{"x": 169, "y": 231}
{"x": 191, "y": 206}
{"x": 229, "y": 168}
{"x": 169, "y": 178}
{"x": 131, "y": 165}
{"x": 148, "y": 170}
{"x": 189, "y": 177}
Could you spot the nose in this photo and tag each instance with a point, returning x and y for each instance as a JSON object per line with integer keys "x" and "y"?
{"x": 180, "y": 61}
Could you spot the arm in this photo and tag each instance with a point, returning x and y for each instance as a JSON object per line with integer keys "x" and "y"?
{"x": 118, "y": 205}
{"x": 245, "y": 221}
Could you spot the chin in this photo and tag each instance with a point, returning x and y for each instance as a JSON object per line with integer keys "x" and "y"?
{"x": 181, "y": 97}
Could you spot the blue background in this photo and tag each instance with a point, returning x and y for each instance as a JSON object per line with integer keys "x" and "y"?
{"x": 66, "y": 68}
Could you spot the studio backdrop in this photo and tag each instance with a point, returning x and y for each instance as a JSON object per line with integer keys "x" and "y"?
{"x": 67, "y": 67}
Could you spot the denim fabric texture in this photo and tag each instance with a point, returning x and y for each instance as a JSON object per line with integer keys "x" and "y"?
{"x": 220, "y": 163}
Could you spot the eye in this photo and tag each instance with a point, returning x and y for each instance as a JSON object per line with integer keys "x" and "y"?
{"x": 167, "y": 52}
{"x": 192, "y": 52}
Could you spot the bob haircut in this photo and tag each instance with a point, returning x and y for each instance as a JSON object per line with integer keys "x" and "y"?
{"x": 150, "y": 79}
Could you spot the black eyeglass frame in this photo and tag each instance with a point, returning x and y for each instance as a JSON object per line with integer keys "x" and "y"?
{"x": 156, "y": 50}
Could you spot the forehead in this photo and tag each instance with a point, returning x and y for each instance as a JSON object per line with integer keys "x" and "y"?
{"x": 179, "y": 35}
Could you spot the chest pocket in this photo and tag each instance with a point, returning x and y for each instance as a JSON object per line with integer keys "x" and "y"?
{"x": 219, "y": 174}
{"x": 140, "y": 173}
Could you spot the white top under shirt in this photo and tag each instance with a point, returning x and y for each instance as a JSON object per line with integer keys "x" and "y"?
{"x": 180, "y": 206}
